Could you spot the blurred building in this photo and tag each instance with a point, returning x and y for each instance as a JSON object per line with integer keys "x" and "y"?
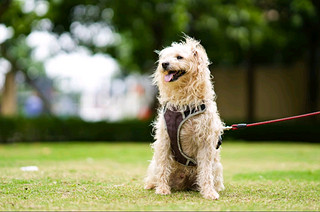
{"x": 121, "y": 98}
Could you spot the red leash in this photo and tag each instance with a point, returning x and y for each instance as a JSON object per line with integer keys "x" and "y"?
{"x": 239, "y": 126}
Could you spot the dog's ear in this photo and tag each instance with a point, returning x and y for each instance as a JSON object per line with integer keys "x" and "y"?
{"x": 200, "y": 54}
{"x": 192, "y": 43}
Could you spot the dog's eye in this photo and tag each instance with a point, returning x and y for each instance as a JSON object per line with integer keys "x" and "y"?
{"x": 179, "y": 57}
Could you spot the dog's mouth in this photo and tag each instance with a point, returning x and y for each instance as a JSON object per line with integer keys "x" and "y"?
{"x": 173, "y": 75}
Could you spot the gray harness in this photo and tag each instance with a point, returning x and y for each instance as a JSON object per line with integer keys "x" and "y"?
{"x": 174, "y": 121}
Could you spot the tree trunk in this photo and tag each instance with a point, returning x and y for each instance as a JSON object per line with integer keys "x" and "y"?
{"x": 9, "y": 95}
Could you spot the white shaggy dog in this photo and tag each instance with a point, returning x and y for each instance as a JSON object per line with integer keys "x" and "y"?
{"x": 188, "y": 126}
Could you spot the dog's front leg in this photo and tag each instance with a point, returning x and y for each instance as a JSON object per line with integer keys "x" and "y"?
{"x": 205, "y": 178}
{"x": 163, "y": 166}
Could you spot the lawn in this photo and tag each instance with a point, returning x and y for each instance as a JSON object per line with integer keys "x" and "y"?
{"x": 109, "y": 176}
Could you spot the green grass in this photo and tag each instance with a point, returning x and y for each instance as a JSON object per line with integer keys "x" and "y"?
{"x": 109, "y": 176}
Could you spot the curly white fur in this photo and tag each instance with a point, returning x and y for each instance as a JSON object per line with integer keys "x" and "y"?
{"x": 199, "y": 134}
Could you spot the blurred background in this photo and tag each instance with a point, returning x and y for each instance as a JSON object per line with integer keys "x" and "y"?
{"x": 80, "y": 70}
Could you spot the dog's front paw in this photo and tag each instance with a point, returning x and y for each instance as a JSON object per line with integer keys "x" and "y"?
{"x": 164, "y": 190}
{"x": 219, "y": 187}
{"x": 212, "y": 195}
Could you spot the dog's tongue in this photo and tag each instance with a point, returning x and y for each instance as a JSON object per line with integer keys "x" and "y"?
{"x": 168, "y": 77}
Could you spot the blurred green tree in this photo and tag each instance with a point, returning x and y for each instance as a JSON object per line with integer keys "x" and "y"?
{"x": 226, "y": 28}
{"x": 20, "y": 21}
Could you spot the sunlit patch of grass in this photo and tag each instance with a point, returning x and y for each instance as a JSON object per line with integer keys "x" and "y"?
{"x": 109, "y": 176}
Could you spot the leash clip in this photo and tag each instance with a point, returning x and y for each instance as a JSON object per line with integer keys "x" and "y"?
{"x": 227, "y": 128}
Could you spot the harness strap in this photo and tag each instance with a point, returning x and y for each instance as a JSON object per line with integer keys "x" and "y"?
{"x": 174, "y": 121}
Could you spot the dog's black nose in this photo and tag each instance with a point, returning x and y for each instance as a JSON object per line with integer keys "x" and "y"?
{"x": 165, "y": 65}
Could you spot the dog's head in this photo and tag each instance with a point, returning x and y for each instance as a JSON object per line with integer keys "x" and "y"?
{"x": 181, "y": 62}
